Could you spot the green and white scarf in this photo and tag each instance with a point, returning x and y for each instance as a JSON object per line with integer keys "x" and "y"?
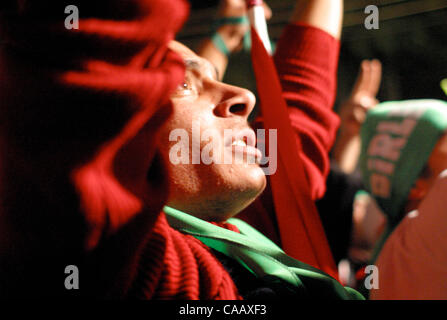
{"x": 261, "y": 257}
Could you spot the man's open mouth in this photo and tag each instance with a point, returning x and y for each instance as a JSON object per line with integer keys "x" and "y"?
{"x": 243, "y": 144}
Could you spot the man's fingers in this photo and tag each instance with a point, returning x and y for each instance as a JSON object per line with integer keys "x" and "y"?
{"x": 267, "y": 11}
{"x": 238, "y": 8}
{"x": 232, "y": 8}
{"x": 369, "y": 78}
{"x": 361, "y": 84}
{"x": 375, "y": 77}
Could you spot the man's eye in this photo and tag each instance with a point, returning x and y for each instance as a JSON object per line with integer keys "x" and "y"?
{"x": 185, "y": 86}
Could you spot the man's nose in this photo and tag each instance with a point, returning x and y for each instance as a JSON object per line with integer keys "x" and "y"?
{"x": 234, "y": 101}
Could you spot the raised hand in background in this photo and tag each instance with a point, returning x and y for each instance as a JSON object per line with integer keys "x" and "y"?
{"x": 228, "y": 32}
{"x": 353, "y": 113}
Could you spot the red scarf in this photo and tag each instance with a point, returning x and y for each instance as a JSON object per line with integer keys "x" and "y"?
{"x": 302, "y": 234}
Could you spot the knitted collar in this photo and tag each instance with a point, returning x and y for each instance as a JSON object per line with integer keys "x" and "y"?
{"x": 260, "y": 256}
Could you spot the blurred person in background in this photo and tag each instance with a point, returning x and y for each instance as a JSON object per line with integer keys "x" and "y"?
{"x": 403, "y": 161}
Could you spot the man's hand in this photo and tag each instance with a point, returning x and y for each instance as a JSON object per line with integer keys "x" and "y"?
{"x": 232, "y": 34}
{"x": 353, "y": 113}
{"x": 363, "y": 97}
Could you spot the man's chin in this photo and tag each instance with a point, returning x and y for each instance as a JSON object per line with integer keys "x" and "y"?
{"x": 238, "y": 202}
{"x": 224, "y": 204}
{"x": 226, "y": 191}
{"x": 253, "y": 181}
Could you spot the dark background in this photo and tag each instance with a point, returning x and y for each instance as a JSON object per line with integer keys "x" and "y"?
{"x": 411, "y": 43}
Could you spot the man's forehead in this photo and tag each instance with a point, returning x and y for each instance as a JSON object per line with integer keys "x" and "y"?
{"x": 180, "y": 48}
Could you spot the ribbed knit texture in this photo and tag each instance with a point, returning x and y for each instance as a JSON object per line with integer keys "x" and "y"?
{"x": 178, "y": 266}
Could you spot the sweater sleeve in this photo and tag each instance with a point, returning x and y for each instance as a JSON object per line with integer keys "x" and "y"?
{"x": 80, "y": 113}
{"x": 307, "y": 70}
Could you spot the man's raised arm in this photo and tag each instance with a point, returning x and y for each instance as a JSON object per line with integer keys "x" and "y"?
{"x": 306, "y": 59}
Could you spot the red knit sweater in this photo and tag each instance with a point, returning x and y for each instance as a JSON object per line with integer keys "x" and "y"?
{"x": 80, "y": 112}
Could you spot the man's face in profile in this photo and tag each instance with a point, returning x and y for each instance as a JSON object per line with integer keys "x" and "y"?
{"x": 213, "y": 117}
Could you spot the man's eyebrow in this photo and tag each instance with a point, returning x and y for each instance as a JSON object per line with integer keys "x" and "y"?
{"x": 193, "y": 64}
